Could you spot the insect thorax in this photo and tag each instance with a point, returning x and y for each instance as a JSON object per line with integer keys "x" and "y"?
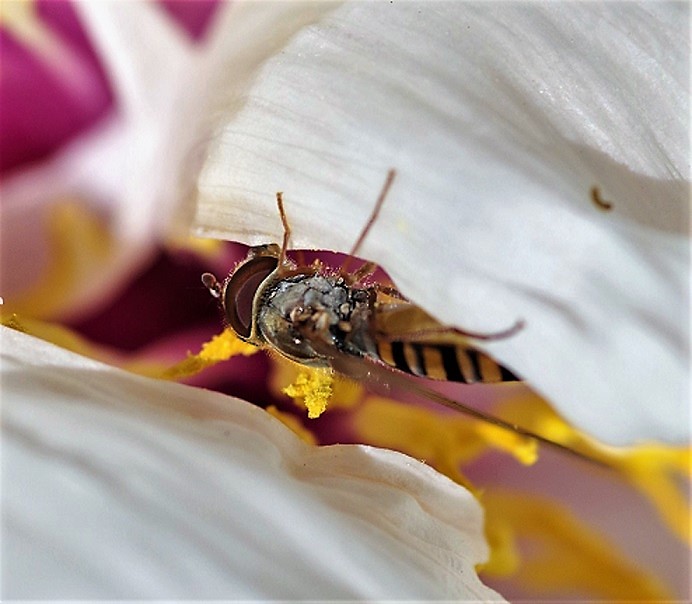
{"x": 306, "y": 316}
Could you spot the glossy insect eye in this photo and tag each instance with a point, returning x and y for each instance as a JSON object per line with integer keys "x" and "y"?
{"x": 241, "y": 289}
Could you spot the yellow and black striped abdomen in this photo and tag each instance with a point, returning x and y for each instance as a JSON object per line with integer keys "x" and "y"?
{"x": 443, "y": 362}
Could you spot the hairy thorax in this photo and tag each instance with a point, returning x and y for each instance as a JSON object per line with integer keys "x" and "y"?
{"x": 299, "y": 313}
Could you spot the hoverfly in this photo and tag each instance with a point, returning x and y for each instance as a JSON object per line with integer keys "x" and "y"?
{"x": 331, "y": 318}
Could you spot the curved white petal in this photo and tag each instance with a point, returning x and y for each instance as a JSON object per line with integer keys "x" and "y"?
{"x": 116, "y": 486}
{"x": 164, "y": 85}
{"x": 499, "y": 120}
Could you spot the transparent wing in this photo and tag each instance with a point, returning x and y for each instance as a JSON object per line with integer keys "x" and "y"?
{"x": 378, "y": 376}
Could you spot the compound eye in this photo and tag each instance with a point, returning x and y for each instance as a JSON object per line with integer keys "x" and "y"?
{"x": 240, "y": 292}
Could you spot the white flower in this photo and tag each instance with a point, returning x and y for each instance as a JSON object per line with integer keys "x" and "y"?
{"x": 499, "y": 119}
{"x": 117, "y": 486}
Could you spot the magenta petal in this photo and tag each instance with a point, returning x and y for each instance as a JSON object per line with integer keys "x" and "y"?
{"x": 41, "y": 108}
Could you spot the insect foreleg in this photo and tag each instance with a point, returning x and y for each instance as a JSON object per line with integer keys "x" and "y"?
{"x": 314, "y": 327}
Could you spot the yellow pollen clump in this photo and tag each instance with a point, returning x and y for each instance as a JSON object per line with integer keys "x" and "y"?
{"x": 346, "y": 393}
{"x": 315, "y": 387}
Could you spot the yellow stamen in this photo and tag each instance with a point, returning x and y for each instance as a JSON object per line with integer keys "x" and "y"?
{"x": 661, "y": 473}
{"x": 56, "y": 334}
{"x": 293, "y": 423}
{"x": 445, "y": 440}
{"x": 572, "y": 554}
{"x": 78, "y": 246}
{"x": 23, "y": 21}
{"x": 523, "y": 448}
{"x": 563, "y": 553}
{"x": 220, "y": 348}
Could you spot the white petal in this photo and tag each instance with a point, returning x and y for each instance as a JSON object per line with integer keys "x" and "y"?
{"x": 164, "y": 85}
{"x": 499, "y": 119}
{"x": 116, "y": 486}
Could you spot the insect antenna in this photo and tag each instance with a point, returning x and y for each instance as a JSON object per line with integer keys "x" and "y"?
{"x": 212, "y": 284}
{"x": 373, "y": 217}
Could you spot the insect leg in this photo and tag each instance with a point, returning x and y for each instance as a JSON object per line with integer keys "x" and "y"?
{"x": 375, "y": 212}
{"x": 420, "y": 334}
{"x": 287, "y": 229}
{"x": 373, "y": 217}
{"x": 498, "y": 335}
{"x": 367, "y": 269}
{"x": 390, "y": 290}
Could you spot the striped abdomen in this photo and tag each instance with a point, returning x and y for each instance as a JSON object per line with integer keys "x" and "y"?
{"x": 443, "y": 362}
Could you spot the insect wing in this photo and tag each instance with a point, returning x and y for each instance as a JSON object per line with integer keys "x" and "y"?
{"x": 410, "y": 340}
{"x": 378, "y": 377}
